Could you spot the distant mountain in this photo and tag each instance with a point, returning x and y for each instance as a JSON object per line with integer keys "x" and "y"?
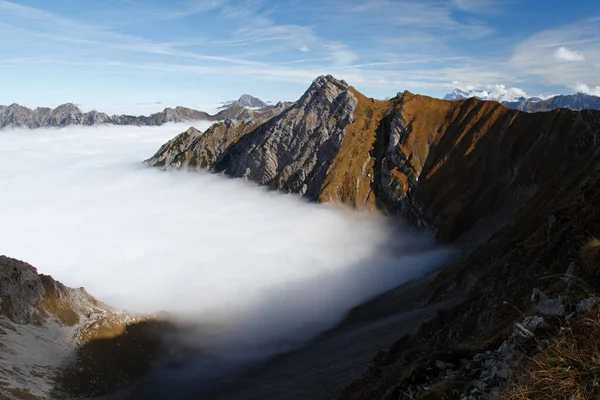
{"x": 459, "y": 94}
{"x": 67, "y": 114}
{"x": 579, "y": 101}
{"x": 245, "y": 100}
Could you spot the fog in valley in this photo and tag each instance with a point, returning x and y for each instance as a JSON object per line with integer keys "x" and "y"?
{"x": 265, "y": 267}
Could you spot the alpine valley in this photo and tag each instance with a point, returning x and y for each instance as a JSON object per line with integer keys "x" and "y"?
{"x": 515, "y": 191}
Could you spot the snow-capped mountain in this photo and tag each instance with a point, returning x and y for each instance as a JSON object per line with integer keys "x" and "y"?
{"x": 579, "y": 101}
{"x": 499, "y": 93}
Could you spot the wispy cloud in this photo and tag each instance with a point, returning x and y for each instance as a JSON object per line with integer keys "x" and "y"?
{"x": 593, "y": 90}
{"x": 380, "y": 45}
{"x": 565, "y": 54}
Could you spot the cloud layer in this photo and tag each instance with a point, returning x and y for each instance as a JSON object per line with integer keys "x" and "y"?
{"x": 263, "y": 266}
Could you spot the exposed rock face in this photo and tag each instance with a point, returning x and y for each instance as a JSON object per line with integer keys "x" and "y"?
{"x": 21, "y": 289}
{"x": 69, "y": 114}
{"x": 193, "y": 150}
{"x": 291, "y": 151}
{"x": 28, "y": 297}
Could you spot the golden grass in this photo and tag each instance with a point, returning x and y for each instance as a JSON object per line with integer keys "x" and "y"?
{"x": 110, "y": 361}
{"x": 569, "y": 368}
{"x": 54, "y": 304}
{"x": 350, "y": 174}
{"x": 590, "y": 257}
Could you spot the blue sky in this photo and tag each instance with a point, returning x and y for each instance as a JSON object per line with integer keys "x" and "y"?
{"x": 143, "y": 55}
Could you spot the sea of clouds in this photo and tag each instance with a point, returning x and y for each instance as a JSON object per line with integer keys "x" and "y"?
{"x": 79, "y": 204}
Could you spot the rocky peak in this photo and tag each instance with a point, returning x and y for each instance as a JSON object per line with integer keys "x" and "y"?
{"x": 247, "y": 100}
{"x": 328, "y": 82}
{"x": 28, "y": 297}
{"x": 67, "y": 108}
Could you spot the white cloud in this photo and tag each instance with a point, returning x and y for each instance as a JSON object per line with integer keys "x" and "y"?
{"x": 341, "y": 54}
{"x": 565, "y": 54}
{"x": 494, "y": 91}
{"x": 264, "y": 266}
{"x": 535, "y": 58}
{"x": 304, "y": 48}
{"x": 503, "y": 93}
{"x": 583, "y": 88}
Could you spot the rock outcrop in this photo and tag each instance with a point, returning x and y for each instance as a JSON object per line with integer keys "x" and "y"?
{"x": 28, "y": 297}
{"x": 49, "y": 331}
{"x": 517, "y": 192}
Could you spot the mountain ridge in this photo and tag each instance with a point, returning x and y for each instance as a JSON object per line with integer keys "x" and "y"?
{"x": 68, "y": 114}
{"x": 578, "y": 101}
{"x": 516, "y": 192}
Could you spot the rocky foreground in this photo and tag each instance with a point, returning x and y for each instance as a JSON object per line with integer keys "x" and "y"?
{"x": 517, "y": 192}
{"x": 60, "y": 342}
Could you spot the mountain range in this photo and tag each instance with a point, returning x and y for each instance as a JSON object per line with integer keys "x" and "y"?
{"x": 246, "y": 107}
{"x": 67, "y": 114}
{"x": 578, "y": 101}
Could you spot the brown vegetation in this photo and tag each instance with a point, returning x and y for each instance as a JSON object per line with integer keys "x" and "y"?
{"x": 349, "y": 178}
{"x": 567, "y": 368}
{"x": 106, "y": 365}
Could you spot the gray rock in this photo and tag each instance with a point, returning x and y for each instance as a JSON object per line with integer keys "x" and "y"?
{"x": 29, "y": 297}
{"x": 441, "y": 365}
{"x": 586, "y": 304}
{"x": 291, "y": 151}
{"x": 69, "y": 114}
{"x": 546, "y": 305}
{"x": 20, "y": 289}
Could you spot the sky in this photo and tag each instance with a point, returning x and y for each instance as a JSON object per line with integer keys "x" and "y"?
{"x": 138, "y": 56}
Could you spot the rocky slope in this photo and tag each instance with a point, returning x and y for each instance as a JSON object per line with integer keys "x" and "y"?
{"x": 61, "y": 342}
{"x": 578, "y": 101}
{"x": 517, "y": 192}
{"x": 69, "y": 114}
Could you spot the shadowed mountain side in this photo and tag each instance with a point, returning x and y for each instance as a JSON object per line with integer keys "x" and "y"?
{"x": 518, "y": 192}
{"x": 106, "y": 365}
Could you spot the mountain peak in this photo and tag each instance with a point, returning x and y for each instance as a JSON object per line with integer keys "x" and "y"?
{"x": 250, "y": 101}
{"x": 67, "y": 107}
{"x": 324, "y": 80}
{"x": 245, "y": 100}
